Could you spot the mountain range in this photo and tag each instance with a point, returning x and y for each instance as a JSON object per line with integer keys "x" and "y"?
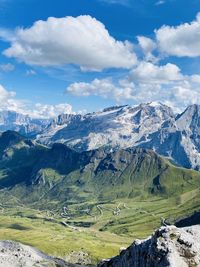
{"x": 24, "y": 124}
{"x": 152, "y": 125}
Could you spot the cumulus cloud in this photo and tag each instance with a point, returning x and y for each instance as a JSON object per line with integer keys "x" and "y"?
{"x": 99, "y": 87}
{"x": 5, "y": 95}
{"x": 148, "y": 46}
{"x": 164, "y": 83}
{"x": 8, "y": 101}
{"x": 147, "y": 72}
{"x": 83, "y": 41}
{"x": 195, "y": 78}
{"x": 146, "y": 83}
{"x": 50, "y": 111}
{"x": 121, "y": 91}
{"x": 180, "y": 41}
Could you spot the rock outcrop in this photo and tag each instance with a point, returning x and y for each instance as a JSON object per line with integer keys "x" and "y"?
{"x": 13, "y": 254}
{"x": 168, "y": 246}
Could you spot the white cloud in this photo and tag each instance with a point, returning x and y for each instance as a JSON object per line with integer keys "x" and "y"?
{"x": 146, "y": 83}
{"x": 7, "y": 67}
{"x": 195, "y": 78}
{"x": 147, "y": 72}
{"x": 123, "y": 91}
{"x": 83, "y": 41}
{"x": 4, "y": 95}
{"x": 183, "y": 40}
{"x": 104, "y": 88}
{"x": 50, "y": 111}
{"x": 8, "y": 101}
{"x": 148, "y": 46}
{"x": 141, "y": 77}
{"x": 182, "y": 94}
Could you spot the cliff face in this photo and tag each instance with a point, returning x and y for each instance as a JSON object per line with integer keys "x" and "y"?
{"x": 151, "y": 125}
{"x": 168, "y": 246}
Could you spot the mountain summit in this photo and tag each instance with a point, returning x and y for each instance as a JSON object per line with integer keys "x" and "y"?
{"x": 151, "y": 125}
{"x": 120, "y": 126}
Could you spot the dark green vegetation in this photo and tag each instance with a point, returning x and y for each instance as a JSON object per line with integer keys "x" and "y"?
{"x": 60, "y": 200}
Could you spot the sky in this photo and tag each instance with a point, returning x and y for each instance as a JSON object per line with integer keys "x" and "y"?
{"x": 80, "y": 56}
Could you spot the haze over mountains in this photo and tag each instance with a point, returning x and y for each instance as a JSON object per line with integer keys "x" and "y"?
{"x": 11, "y": 120}
{"x": 153, "y": 126}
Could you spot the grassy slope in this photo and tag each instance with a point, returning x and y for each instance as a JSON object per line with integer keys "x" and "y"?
{"x": 93, "y": 186}
{"x": 57, "y": 240}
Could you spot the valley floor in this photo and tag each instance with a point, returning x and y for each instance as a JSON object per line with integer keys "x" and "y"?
{"x": 96, "y": 234}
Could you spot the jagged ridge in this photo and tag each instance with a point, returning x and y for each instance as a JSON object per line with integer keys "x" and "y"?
{"x": 151, "y": 125}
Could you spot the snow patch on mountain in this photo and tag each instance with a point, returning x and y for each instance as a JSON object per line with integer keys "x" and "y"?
{"x": 116, "y": 127}
{"x": 152, "y": 125}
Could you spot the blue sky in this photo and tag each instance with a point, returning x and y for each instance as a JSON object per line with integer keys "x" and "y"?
{"x": 84, "y": 55}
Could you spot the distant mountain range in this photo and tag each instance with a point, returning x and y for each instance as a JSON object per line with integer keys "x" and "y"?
{"x": 152, "y": 125}
{"x": 24, "y": 124}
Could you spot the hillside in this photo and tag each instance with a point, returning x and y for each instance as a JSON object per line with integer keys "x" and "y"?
{"x": 98, "y": 197}
{"x": 98, "y": 175}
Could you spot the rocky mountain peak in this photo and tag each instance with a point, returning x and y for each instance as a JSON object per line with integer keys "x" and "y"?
{"x": 190, "y": 118}
{"x": 150, "y": 125}
{"x": 114, "y": 108}
{"x": 168, "y": 246}
{"x": 66, "y": 119}
{"x": 158, "y": 112}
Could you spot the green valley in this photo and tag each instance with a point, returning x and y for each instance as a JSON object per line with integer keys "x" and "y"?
{"x": 62, "y": 201}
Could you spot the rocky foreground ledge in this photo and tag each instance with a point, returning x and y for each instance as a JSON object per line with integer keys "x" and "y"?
{"x": 13, "y": 254}
{"x": 168, "y": 246}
